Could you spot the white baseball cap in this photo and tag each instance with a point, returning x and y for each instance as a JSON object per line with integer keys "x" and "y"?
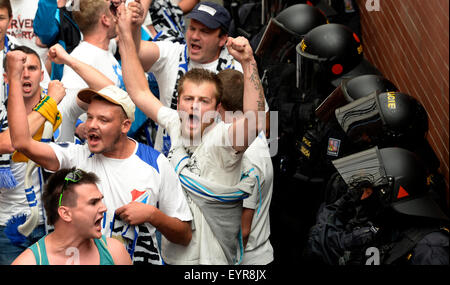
{"x": 114, "y": 95}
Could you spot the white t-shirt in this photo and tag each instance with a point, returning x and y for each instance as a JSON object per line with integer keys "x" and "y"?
{"x": 22, "y": 25}
{"x": 259, "y": 251}
{"x": 105, "y": 62}
{"x": 166, "y": 69}
{"x": 123, "y": 180}
{"x": 213, "y": 159}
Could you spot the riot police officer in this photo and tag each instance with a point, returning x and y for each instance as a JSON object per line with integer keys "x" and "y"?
{"x": 279, "y": 72}
{"x": 386, "y": 211}
{"x": 326, "y": 140}
{"x": 390, "y": 119}
{"x": 327, "y": 55}
{"x": 276, "y": 57}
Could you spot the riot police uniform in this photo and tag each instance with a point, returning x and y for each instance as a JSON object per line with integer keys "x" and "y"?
{"x": 386, "y": 215}
{"x": 326, "y": 140}
{"x": 276, "y": 56}
{"x": 327, "y": 55}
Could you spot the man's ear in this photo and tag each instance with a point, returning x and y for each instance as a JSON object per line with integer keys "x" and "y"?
{"x": 223, "y": 40}
{"x": 65, "y": 214}
{"x": 5, "y": 78}
{"x": 126, "y": 126}
{"x": 105, "y": 20}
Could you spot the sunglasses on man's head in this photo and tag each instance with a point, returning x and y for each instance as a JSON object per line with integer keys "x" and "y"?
{"x": 71, "y": 177}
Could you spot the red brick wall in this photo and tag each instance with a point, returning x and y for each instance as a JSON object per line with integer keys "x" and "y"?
{"x": 408, "y": 41}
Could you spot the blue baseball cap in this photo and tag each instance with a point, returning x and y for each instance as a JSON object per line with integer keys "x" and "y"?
{"x": 212, "y": 15}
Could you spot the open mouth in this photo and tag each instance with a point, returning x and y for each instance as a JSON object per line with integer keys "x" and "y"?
{"x": 98, "y": 223}
{"x": 193, "y": 121}
{"x": 93, "y": 138}
{"x": 195, "y": 47}
{"x": 26, "y": 86}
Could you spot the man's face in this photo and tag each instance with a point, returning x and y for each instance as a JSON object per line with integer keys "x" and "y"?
{"x": 32, "y": 75}
{"x": 4, "y": 22}
{"x": 204, "y": 44}
{"x": 196, "y": 106}
{"x": 105, "y": 124}
{"x": 88, "y": 213}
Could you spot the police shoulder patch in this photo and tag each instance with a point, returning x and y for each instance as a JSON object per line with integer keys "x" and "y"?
{"x": 333, "y": 146}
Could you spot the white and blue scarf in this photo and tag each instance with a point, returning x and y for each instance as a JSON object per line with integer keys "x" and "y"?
{"x": 220, "y": 205}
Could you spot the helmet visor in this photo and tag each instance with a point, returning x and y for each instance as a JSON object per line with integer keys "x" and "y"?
{"x": 361, "y": 119}
{"x": 336, "y": 99}
{"x": 277, "y": 43}
{"x": 366, "y": 164}
{"x": 308, "y": 70}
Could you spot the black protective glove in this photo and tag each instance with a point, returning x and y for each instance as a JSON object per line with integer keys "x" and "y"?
{"x": 346, "y": 205}
{"x": 359, "y": 237}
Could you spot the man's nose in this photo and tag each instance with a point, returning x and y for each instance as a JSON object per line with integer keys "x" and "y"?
{"x": 102, "y": 208}
{"x": 91, "y": 124}
{"x": 196, "y": 104}
{"x": 195, "y": 35}
{"x": 25, "y": 73}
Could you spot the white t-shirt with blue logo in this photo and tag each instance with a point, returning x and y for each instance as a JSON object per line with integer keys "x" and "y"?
{"x": 146, "y": 172}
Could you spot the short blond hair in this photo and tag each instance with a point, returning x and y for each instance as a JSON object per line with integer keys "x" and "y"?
{"x": 198, "y": 76}
{"x": 89, "y": 13}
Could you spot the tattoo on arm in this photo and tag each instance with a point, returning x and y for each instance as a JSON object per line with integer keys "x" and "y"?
{"x": 254, "y": 78}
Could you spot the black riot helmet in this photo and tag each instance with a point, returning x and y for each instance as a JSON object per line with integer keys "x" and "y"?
{"x": 286, "y": 30}
{"x": 384, "y": 119}
{"x": 397, "y": 177}
{"x": 407, "y": 191}
{"x": 350, "y": 90}
{"x": 326, "y": 55}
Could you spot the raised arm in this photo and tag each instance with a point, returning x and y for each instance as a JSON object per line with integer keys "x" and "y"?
{"x": 21, "y": 139}
{"x": 35, "y": 119}
{"x": 187, "y": 5}
{"x": 94, "y": 78}
{"x": 133, "y": 73}
{"x": 148, "y": 51}
{"x": 246, "y": 129}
